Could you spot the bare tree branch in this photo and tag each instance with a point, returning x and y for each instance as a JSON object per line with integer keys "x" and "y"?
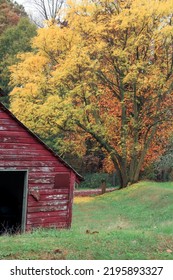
{"x": 47, "y": 10}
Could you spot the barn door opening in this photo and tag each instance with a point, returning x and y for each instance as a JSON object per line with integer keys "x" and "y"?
{"x": 13, "y": 195}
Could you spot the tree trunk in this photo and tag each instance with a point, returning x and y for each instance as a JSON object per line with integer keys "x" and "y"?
{"x": 103, "y": 186}
{"x": 124, "y": 179}
{"x": 121, "y": 170}
{"x": 122, "y": 176}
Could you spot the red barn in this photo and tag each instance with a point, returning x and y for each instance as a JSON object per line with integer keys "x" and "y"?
{"x": 36, "y": 185}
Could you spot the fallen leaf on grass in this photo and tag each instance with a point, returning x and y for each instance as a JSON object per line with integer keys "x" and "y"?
{"x": 169, "y": 251}
{"x": 58, "y": 251}
{"x": 91, "y": 232}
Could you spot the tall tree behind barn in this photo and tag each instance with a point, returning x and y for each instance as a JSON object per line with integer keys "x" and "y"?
{"x": 36, "y": 185}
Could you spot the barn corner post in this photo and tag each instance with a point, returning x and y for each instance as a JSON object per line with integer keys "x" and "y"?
{"x": 25, "y": 203}
{"x": 71, "y": 195}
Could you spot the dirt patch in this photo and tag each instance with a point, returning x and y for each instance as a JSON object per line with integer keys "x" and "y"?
{"x": 119, "y": 224}
{"x": 43, "y": 255}
{"x": 165, "y": 244}
{"x": 91, "y": 192}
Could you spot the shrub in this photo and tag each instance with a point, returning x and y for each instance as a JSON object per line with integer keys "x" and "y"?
{"x": 93, "y": 180}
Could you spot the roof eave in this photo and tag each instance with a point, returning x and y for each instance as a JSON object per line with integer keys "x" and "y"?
{"x": 78, "y": 176}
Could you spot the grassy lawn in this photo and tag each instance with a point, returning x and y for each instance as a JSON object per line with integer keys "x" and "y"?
{"x": 133, "y": 223}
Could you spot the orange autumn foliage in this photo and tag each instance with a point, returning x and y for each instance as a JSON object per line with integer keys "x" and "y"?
{"x": 106, "y": 75}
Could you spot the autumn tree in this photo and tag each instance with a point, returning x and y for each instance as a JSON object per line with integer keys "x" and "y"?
{"x": 10, "y": 14}
{"x": 15, "y": 39}
{"x": 106, "y": 76}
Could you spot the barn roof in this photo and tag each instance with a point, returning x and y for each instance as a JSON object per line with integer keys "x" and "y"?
{"x": 5, "y": 109}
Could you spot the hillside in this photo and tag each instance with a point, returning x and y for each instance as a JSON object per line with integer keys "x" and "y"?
{"x": 132, "y": 223}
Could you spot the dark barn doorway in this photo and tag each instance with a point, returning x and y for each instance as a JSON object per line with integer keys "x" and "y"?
{"x": 13, "y": 189}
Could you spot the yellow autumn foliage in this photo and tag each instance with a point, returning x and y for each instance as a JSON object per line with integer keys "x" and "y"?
{"x": 107, "y": 75}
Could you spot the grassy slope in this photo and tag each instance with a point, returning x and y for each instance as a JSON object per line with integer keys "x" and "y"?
{"x": 134, "y": 223}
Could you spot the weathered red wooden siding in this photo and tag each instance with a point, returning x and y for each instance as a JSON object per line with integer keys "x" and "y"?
{"x": 20, "y": 151}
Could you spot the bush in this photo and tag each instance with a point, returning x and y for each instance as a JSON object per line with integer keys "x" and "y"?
{"x": 93, "y": 180}
{"x": 150, "y": 173}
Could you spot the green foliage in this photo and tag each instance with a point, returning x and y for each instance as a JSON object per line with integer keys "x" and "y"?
{"x": 162, "y": 169}
{"x": 132, "y": 223}
{"x": 17, "y": 38}
{"x": 149, "y": 173}
{"x": 15, "y": 33}
{"x": 164, "y": 166}
{"x": 93, "y": 180}
{"x": 14, "y": 40}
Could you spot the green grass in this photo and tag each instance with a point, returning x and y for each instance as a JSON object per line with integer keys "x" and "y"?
{"x": 133, "y": 223}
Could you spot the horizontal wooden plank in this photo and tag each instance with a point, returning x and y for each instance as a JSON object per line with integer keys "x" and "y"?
{"x": 17, "y": 139}
{"x": 24, "y": 146}
{"x": 40, "y": 186}
{"x": 54, "y": 166}
{"x": 42, "y": 169}
{"x": 41, "y": 203}
{"x": 29, "y": 151}
{"x": 28, "y": 157}
{"x": 47, "y": 208}
{"x": 45, "y": 220}
{"x": 54, "y": 197}
{"x": 62, "y": 169}
{"x": 4, "y": 115}
{"x": 54, "y": 191}
{"x": 10, "y": 128}
{"x": 22, "y": 133}
{"x": 46, "y": 187}
{"x": 44, "y": 197}
{"x": 6, "y": 163}
{"x": 32, "y": 185}
{"x": 42, "y": 180}
{"x": 38, "y": 175}
{"x": 47, "y": 214}
{"x": 8, "y": 121}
